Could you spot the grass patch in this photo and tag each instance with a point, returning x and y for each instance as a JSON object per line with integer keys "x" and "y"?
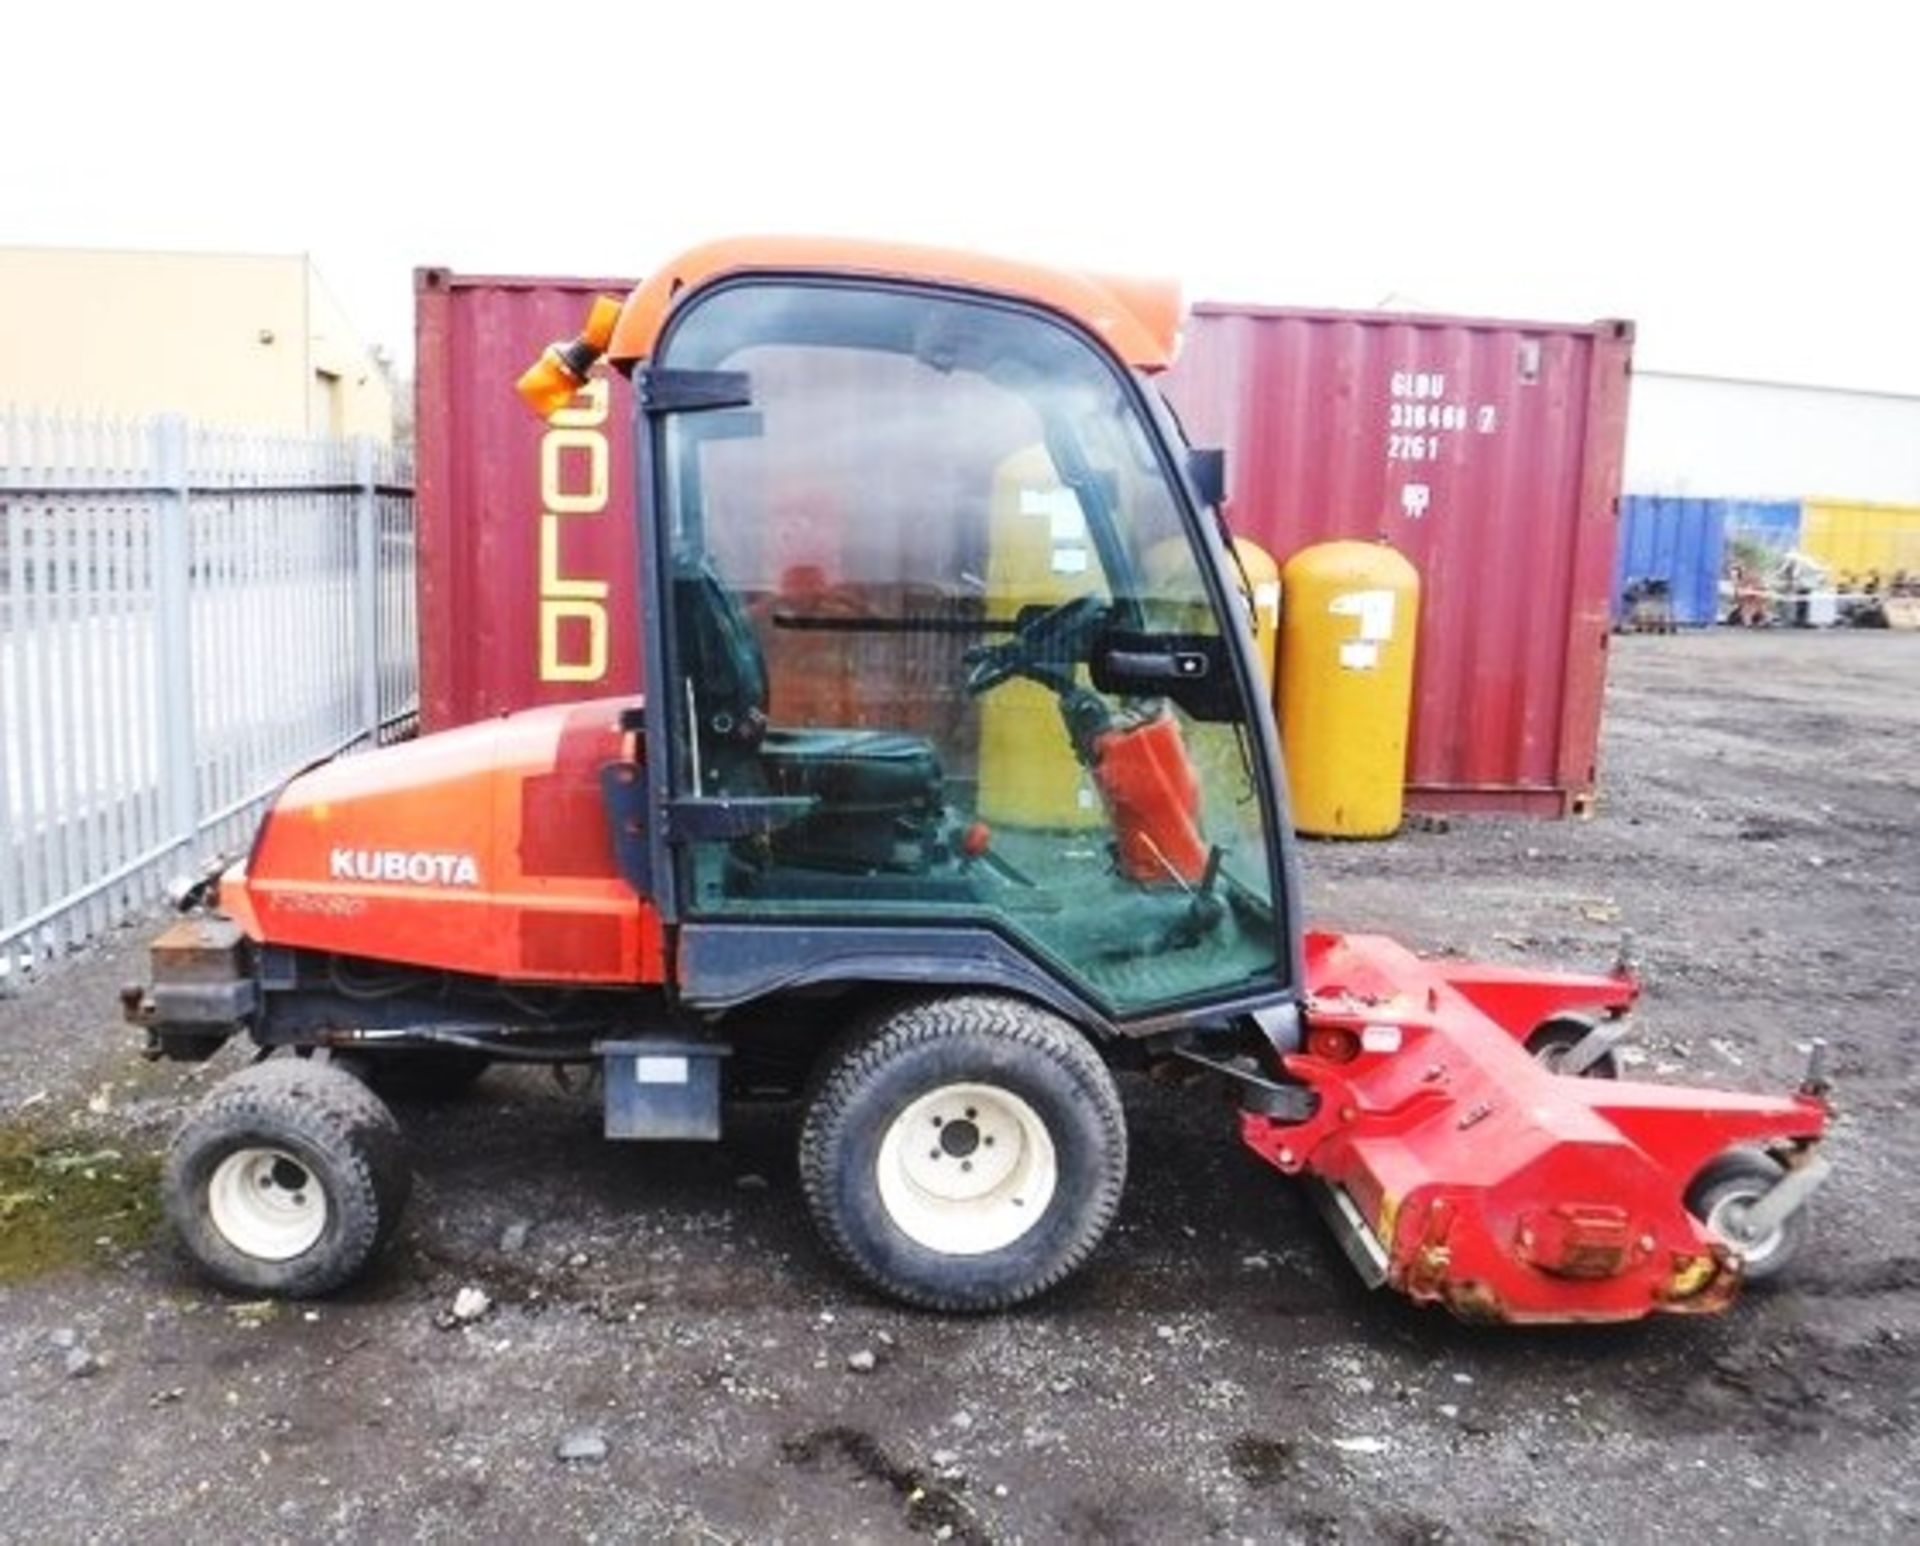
{"x": 61, "y": 1197}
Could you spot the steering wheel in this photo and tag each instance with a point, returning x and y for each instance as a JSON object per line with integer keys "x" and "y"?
{"x": 1045, "y": 647}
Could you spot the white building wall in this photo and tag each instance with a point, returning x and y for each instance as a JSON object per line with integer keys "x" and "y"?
{"x": 1761, "y": 440}
{"x": 1719, "y": 438}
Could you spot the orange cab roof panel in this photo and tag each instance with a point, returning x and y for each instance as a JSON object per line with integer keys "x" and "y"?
{"x": 1139, "y": 319}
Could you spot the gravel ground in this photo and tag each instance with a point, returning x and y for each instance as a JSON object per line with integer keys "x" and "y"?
{"x": 664, "y": 1314}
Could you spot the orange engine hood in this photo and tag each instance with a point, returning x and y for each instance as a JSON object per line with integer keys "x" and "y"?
{"x": 484, "y": 849}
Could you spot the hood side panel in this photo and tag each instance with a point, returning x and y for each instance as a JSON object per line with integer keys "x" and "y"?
{"x": 483, "y": 850}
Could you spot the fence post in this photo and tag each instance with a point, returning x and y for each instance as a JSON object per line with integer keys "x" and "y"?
{"x": 173, "y": 582}
{"x": 366, "y": 596}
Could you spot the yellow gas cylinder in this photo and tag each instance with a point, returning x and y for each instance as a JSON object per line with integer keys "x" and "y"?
{"x": 1168, "y": 571}
{"x": 1348, "y": 616}
{"x": 1039, "y": 554}
{"x": 1262, "y": 576}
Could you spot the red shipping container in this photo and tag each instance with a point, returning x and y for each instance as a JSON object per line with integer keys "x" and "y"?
{"x": 1488, "y": 452}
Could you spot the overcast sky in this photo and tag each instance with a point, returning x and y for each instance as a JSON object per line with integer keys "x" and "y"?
{"x": 1740, "y": 180}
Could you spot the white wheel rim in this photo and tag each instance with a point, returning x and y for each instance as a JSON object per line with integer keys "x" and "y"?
{"x": 267, "y": 1204}
{"x": 1728, "y": 1221}
{"x": 967, "y": 1169}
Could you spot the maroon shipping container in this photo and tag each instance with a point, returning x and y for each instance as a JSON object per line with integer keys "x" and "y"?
{"x": 527, "y": 548}
{"x": 1489, "y": 452}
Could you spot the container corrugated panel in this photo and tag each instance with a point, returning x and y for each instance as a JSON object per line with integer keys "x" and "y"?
{"x": 1680, "y": 541}
{"x": 1773, "y": 524}
{"x": 526, "y": 536}
{"x": 1490, "y": 454}
{"x": 1857, "y": 541}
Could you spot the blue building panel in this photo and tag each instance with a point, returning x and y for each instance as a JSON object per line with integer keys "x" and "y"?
{"x": 1680, "y": 541}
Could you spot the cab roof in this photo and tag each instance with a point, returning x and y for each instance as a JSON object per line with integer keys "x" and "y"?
{"x": 1139, "y": 319}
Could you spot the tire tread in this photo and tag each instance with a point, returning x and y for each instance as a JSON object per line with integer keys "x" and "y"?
{"x": 325, "y": 1107}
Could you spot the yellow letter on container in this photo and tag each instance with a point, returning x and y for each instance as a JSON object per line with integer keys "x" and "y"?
{"x": 1348, "y": 615}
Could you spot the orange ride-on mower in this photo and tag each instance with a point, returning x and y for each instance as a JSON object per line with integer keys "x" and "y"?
{"x": 954, "y": 785}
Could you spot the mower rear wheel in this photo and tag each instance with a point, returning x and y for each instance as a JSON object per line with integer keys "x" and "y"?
{"x": 286, "y": 1179}
{"x": 965, "y": 1153}
{"x": 1719, "y": 1198}
{"x": 1552, "y": 1040}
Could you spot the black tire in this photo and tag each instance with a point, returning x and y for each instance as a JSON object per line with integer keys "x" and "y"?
{"x": 269, "y": 1126}
{"x": 1032, "y": 1069}
{"x": 418, "y": 1073}
{"x": 1552, "y": 1039}
{"x": 1744, "y": 1176}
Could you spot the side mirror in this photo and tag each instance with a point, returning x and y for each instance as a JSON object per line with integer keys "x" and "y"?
{"x": 1207, "y": 470}
{"x": 1190, "y": 668}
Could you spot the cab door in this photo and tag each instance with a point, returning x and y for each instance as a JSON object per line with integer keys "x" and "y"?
{"x": 946, "y": 671}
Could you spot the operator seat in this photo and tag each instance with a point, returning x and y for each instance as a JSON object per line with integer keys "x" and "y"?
{"x": 879, "y": 793}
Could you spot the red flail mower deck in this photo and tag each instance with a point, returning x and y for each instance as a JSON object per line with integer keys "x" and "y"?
{"x": 1458, "y": 1168}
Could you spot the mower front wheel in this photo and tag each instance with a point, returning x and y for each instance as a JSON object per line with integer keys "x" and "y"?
{"x": 964, "y": 1154}
{"x": 286, "y": 1179}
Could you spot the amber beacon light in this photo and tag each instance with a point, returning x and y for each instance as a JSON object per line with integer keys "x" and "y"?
{"x": 549, "y": 383}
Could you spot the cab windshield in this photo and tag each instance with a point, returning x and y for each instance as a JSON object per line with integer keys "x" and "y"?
{"x": 939, "y": 618}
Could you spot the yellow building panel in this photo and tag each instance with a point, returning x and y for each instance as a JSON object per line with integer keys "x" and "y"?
{"x": 248, "y": 341}
{"x": 1857, "y": 540}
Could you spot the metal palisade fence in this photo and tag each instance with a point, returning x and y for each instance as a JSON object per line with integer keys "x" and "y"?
{"x": 187, "y": 616}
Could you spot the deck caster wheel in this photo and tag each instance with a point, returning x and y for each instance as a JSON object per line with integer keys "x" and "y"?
{"x": 286, "y": 1179}
{"x": 1719, "y": 1198}
{"x": 1552, "y": 1040}
{"x": 964, "y": 1154}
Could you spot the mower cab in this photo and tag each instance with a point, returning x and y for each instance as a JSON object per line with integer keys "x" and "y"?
{"x": 955, "y": 781}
